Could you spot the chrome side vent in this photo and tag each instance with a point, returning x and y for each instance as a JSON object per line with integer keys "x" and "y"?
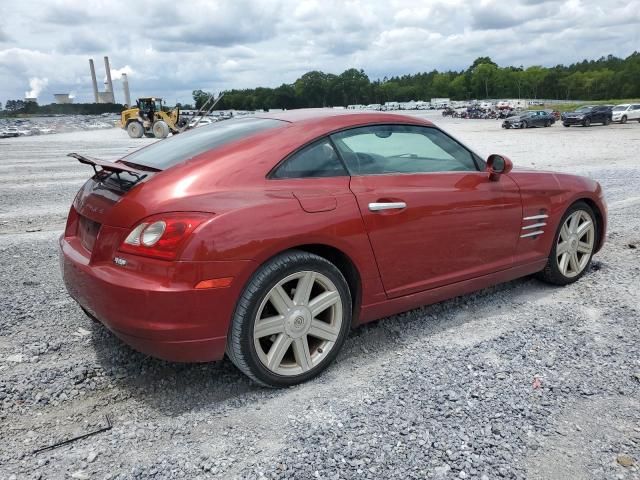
{"x": 535, "y": 223}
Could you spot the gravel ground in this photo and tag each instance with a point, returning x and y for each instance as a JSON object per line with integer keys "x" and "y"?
{"x": 522, "y": 380}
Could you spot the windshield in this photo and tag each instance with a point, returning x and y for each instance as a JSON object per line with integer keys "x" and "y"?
{"x": 179, "y": 148}
{"x": 584, "y": 109}
{"x": 620, "y": 108}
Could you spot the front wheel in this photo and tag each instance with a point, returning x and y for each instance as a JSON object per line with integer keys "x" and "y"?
{"x": 573, "y": 246}
{"x": 623, "y": 120}
{"x": 160, "y": 129}
{"x": 291, "y": 320}
{"x": 586, "y": 122}
{"x": 607, "y": 121}
{"x": 135, "y": 129}
{"x": 565, "y": 125}
{"x": 524, "y": 124}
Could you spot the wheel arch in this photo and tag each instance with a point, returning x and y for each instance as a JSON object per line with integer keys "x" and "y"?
{"x": 346, "y": 266}
{"x": 599, "y": 220}
{"x": 340, "y": 259}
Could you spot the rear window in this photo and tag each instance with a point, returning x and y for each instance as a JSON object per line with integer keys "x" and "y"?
{"x": 182, "y": 147}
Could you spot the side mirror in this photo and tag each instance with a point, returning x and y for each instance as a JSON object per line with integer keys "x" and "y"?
{"x": 498, "y": 165}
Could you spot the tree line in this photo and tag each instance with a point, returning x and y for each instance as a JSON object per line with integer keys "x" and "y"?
{"x": 608, "y": 77}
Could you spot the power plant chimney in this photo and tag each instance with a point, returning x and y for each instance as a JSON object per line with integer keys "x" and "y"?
{"x": 109, "y": 82}
{"x": 93, "y": 79}
{"x": 125, "y": 87}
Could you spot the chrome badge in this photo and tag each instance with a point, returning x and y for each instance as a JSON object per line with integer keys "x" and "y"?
{"x": 121, "y": 262}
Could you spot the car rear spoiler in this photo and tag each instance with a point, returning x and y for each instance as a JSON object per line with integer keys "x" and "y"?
{"x": 105, "y": 164}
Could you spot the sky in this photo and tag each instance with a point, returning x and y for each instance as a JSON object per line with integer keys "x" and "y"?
{"x": 169, "y": 48}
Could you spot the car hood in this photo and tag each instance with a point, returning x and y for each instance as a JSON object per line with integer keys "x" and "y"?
{"x": 575, "y": 114}
{"x": 515, "y": 118}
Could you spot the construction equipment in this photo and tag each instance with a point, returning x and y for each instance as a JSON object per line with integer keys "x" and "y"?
{"x": 151, "y": 119}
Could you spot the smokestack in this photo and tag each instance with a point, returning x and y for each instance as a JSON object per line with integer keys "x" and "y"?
{"x": 125, "y": 87}
{"x": 109, "y": 82}
{"x": 93, "y": 79}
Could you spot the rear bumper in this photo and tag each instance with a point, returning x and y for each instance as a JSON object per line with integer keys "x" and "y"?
{"x": 158, "y": 314}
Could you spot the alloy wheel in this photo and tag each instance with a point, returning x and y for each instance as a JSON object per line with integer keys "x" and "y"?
{"x": 298, "y": 323}
{"x": 575, "y": 243}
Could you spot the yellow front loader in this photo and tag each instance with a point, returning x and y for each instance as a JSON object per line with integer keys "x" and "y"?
{"x": 150, "y": 118}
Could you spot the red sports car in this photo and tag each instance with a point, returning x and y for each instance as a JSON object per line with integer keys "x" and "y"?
{"x": 266, "y": 238}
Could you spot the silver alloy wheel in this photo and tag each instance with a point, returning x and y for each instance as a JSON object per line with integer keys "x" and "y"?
{"x": 575, "y": 243}
{"x": 298, "y": 323}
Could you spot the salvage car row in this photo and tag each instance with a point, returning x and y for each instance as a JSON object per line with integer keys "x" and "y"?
{"x": 584, "y": 116}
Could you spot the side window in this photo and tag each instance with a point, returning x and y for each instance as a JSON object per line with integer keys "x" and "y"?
{"x": 636, "y": 107}
{"x": 316, "y": 160}
{"x": 384, "y": 149}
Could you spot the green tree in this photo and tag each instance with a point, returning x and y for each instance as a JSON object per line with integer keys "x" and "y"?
{"x": 483, "y": 75}
{"x": 533, "y": 77}
{"x": 200, "y": 97}
{"x": 312, "y": 88}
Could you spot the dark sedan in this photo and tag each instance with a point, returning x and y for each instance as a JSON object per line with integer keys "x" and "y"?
{"x": 531, "y": 118}
{"x": 587, "y": 115}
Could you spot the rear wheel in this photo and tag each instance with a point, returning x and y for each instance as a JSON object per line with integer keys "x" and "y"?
{"x": 547, "y": 123}
{"x": 573, "y": 246}
{"x": 160, "y": 129}
{"x": 623, "y": 120}
{"x": 135, "y": 129}
{"x": 607, "y": 121}
{"x": 291, "y": 320}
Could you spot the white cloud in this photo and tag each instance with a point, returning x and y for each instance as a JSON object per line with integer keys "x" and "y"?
{"x": 170, "y": 48}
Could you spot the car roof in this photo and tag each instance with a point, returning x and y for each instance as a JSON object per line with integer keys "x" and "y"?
{"x": 341, "y": 116}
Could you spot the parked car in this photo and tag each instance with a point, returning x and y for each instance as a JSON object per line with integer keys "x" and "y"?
{"x": 587, "y": 115}
{"x": 625, "y": 112}
{"x": 201, "y": 122}
{"x": 268, "y": 238}
{"x": 530, "y": 118}
{"x": 9, "y": 132}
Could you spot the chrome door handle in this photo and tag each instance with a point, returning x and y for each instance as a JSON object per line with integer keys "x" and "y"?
{"x": 378, "y": 206}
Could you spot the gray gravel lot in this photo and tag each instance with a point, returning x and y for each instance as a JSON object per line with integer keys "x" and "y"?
{"x": 517, "y": 381}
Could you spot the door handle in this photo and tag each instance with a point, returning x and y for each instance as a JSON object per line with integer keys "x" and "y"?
{"x": 379, "y": 206}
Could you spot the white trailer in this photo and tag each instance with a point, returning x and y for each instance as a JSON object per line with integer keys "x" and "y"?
{"x": 440, "y": 102}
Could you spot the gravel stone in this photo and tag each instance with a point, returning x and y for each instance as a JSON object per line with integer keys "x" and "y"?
{"x": 517, "y": 381}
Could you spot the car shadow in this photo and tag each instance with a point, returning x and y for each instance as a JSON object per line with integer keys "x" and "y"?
{"x": 176, "y": 388}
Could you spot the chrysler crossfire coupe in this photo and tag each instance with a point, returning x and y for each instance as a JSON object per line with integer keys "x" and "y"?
{"x": 267, "y": 238}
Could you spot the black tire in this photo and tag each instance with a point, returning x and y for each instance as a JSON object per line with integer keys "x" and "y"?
{"x": 565, "y": 124}
{"x": 607, "y": 121}
{"x": 547, "y": 123}
{"x": 623, "y": 120}
{"x": 524, "y": 124}
{"x": 241, "y": 349}
{"x": 551, "y": 272}
{"x": 135, "y": 129}
{"x": 586, "y": 122}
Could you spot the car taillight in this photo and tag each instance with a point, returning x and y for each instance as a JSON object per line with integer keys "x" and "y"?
{"x": 161, "y": 236}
